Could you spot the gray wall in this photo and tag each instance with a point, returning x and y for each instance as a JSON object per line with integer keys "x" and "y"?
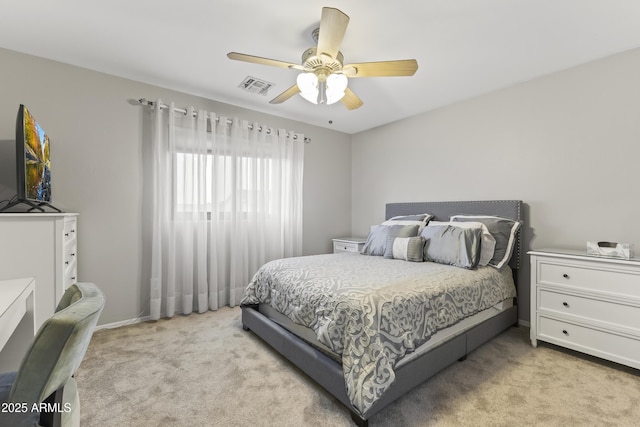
{"x": 97, "y": 168}
{"x": 567, "y": 144}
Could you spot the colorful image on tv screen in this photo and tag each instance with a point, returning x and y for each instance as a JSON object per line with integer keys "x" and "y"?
{"x": 37, "y": 161}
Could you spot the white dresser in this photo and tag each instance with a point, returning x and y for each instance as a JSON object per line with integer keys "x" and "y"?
{"x": 348, "y": 244}
{"x": 43, "y": 246}
{"x": 586, "y": 303}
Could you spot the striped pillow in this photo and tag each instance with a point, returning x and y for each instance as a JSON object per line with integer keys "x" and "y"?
{"x": 405, "y": 248}
{"x": 377, "y": 239}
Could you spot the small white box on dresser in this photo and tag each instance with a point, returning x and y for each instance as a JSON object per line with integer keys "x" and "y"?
{"x": 610, "y": 249}
{"x": 586, "y": 303}
{"x": 348, "y": 244}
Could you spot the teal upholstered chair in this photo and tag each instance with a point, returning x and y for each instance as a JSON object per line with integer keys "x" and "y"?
{"x": 45, "y": 380}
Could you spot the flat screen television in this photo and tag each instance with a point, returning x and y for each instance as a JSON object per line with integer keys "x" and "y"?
{"x": 33, "y": 164}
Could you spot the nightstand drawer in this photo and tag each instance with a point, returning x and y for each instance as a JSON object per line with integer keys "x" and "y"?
{"x": 346, "y": 247}
{"x": 348, "y": 244}
{"x": 618, "y": 348}
{"x": 589, "y": 308}
{"x": 585, "y": 276}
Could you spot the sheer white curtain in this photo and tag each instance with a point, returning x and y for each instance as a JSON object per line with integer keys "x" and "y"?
{"x": 226, "y": 199}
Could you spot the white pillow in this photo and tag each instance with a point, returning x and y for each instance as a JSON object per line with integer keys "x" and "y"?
{"x": 488, "y": 244}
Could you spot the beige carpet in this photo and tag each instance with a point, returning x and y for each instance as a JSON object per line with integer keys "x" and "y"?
{"x": 204, "y": 370}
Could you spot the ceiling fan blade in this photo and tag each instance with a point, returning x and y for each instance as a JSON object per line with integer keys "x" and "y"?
{"x": 333, "y": 25}
{"x": 293, "y": 90}
{"x": 263, "y": 61}
{"x": 403, "y": 67}
{"x": 351, "y": 100}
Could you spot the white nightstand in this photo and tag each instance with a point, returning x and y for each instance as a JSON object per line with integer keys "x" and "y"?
{"x": 586, "y": 303}
{"x": 348, "y": 244}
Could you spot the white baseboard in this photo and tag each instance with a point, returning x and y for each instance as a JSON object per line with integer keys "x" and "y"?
{"x": 123, "y": 323}
{"x": 524, "y": 323}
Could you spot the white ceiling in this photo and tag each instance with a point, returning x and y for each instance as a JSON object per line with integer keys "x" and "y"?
{"x": 464, "y": 48}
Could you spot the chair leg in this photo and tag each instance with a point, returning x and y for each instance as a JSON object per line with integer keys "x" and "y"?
{"x": 52, "y": 413}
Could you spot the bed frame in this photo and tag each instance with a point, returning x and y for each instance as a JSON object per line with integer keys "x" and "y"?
{"x": 328, "y": 373}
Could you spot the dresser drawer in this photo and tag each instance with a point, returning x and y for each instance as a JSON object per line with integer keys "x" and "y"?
{"x": 617, "y": 348}
{"x": 69, "y": 230}
{"x": 69, "y": 256}
{"x": 70, "y": 251}
{"x": 70, "y": 277}
{"x": 589, "y": 276}
{"x": 592, "y": 309}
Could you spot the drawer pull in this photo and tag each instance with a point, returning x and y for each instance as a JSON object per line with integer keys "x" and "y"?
{"x": 564, "y": 331}
{"x": 566, "y": 304}
{"x": 565, "y": 275}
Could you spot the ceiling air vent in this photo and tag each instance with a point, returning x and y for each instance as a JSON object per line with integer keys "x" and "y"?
{"x": 254, "y": 85}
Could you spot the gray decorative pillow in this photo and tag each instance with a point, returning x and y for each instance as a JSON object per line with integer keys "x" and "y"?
{"x": 446, "y": 244}
{"x": 406, "y": 248}
{"x": 421, "y": 220}
{"x": 504, "y": 230}
{"x": 488, "y": 245}
{"x": 377, "y": 239}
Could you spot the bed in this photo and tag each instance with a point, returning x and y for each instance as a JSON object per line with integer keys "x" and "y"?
{"x": 357, "y": 344}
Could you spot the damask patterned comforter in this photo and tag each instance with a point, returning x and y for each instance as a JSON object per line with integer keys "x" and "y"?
{"x": 371, "y": 310}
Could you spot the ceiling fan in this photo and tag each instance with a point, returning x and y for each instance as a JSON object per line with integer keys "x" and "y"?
{"x": 324, "y": 76}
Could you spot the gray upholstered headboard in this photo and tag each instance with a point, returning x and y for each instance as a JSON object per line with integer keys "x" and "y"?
{"x": 443, "y": 210}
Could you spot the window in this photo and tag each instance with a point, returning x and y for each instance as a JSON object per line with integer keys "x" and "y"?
{"x": 234, "y": 184}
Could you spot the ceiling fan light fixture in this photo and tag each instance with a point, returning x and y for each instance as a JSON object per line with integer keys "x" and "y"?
{"x": 324, "y": 75}
{"x": 335, "y": 88}
{"x": 308, "y": 85}
{"x": 321, "y": 91}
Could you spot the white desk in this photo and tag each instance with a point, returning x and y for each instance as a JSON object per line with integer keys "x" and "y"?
{"x": 17, "y": 321}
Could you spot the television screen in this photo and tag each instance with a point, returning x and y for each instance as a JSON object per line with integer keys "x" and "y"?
{"x": 33, "y": 159}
